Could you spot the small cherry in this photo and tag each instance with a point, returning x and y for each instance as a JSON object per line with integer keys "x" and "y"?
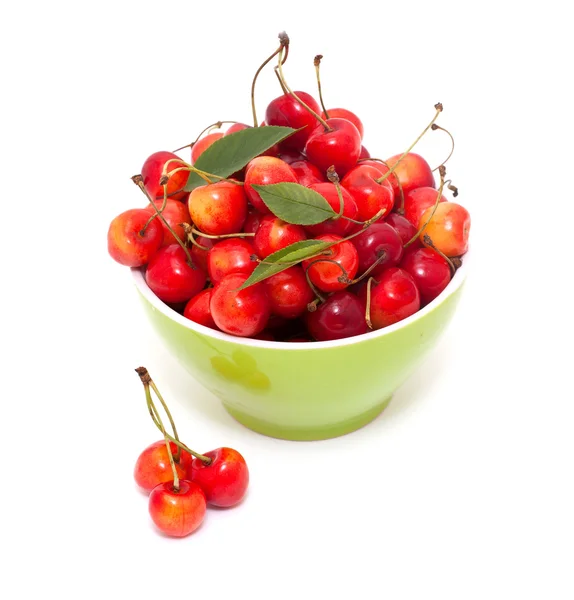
{"x": 343, "y": 113}
{"x": 171, "y": 277}
{"x": 204, "y": 143}
{"x": 364, "y": 153}
{"x": 232, "y": 255}
{"x": 289, "y": 292}
{"x": 218, "y": 208}
{"x": 379, "y": 242}
{"x": 252, "y": 221}
{"x": 412, "y": 172}
{"x": 199, "y": 255}
{"x": 342, "y": 315}
{"x": 404, "y": 227}
{"x": 430, "y": 271}
{"x": 448, "y": 228}
{"x": 266, "y": 170}
{"x": 307, "y": 173}
{"x": 274, "y": 234}
{"x": 151, "y": 173}
{"x": 133, "y": 239}
{"x": 417, "y": 201}
{"x": 198, "y": 310}
{"x": 224, "y": 480}
{"x": 175, "y": 213}
{"x": 177, "y": 511}
{"x": 240, "y": 312}
{"x": 153, "y": 467}
{"x": 237, "y": 127}
{"x": 334, "y": 269}
{"x": 369, "y": 195}
{"x": 337, "y": 225}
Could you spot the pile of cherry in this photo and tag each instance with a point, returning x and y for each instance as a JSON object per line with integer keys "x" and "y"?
{"x": 289, "y": 230}
{"x": 180, "y": 482}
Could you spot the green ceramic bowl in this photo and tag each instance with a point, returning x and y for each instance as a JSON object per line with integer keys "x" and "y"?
{"x": 303, "y": 391}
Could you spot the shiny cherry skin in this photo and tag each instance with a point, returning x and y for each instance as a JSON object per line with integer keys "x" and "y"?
{"x": 127, "y": 244}
{"x": 343, "y": 113}
{"x": 175, "y": 213}
{"x": 177, "y": 513}
{"x": 289, "y": 292}
{"x": 412, "y": 172}
{"x": 338, "y": 225}
{"x": 323, "y": 270}
{"x": 224, "y": 480}
{"x": 417, "y": 201}
{"x": 171, "y": 278}
{"x": 236, "y": 127}
{"x": 448, "y": 228}
{"x": 199, "y": 255}
{"x": 404, "y": 227}
{"x": 430, "y": 271}
{"x": 197, "y": 309}
{"x": 218, "y": 208}
{"x": 394, "y": 297}
{"x": 287, "y": 112}
{"x": 231, "y": 255}
{"x": 243, "y": 313}
{"x": 370, "y": 196}
{"x": 274, "y": 234}
{"x": 340, "y": 147}
{"x": 266, "y": 170}
{"x": 203, "y": 144}
{"x": 152, "y": 466}
{"x": 342, "y": 315}
{"x": 152, "y": 171}
{"x": 378, "y": 240}
{"x": 307, "y": 173}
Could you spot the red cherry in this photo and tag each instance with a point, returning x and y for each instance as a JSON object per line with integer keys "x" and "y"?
{"x": 265, "y": 170}
{"x": 339, "y": 147}
{"x": 218, "y": 208}
{"x": 364, "y": 153}
{"x": 232, "y": 255}
{"x": 126, "y": 242}
{"x": 274, "y": 234}
{"x": 237, "y": 127}
{"x": 405, "y": 228}
{"x": 152, "y": 466}
{"x": 197, "y": 309}
{"x": 151, "y": 173}
{"x": 307, "y": 173}
{"x": 243, "y": 313}
{"x": 287, "y": 112}
{"x": 448, "y": 228}
{"x": 323, "y": 270}
{"x": 291, "y": 156}
{"x": 336, "y": 226}
{"x": 417, "y": 201}
{"x": 175, "y": 213}
{"x": 171, "y": 278}
{"x": 177, "y": 512}
{"x": 379, "y": 239}
{"x": 198, "y": 255}
{"x": 430, "y": 271}
{"x": 224, "y": 480}
{"x": 289, "y": 292}
{"x": 342, "y": 315}
{"x": 394, "y": 297}
{"x": 203, "y": 144}
{"x": 343, "y": 113}
{"x": 252, "y": 221}
{"x": 370, "y": 196}
{"x": 413, "y": 172}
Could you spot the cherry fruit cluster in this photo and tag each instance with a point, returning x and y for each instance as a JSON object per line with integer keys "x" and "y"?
{"x": 182, "y": 483}
{"x": 288, "y": 230}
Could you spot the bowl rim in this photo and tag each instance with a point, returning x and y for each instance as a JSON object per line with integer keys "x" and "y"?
{"x": 454, "y": 284}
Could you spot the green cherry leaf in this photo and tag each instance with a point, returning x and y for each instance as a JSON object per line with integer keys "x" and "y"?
{"x": 232, "y": 152}
{"x": 295, "y": 203}
{"x": 285, "y": 258}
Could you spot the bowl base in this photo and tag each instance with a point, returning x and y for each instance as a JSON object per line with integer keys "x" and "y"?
{"x": 307, "y": 434}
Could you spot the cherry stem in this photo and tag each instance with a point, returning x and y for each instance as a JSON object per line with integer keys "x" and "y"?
{"x": 283, "y": 43}
{"x": 401, "y": 209}
{"x": 344, "y": 278}
{"x": 334, "y": 179}
{"x": 439, "y": 109}
{"x": 451, "y": 263}
{"x": 317, "y": 62}
{"x": 190, "y": 238}
{"x": 312, "y": 306}
{"x": 216, "y": 125}
{"x": 442, "y": 172}
{"x": 291, "y": 93}
{"x": 370, "y": 269}
{"x": 434, "y": 127}
{"x": 222, "y": 236}
{"x": 280, "y": 82}
{"x": 148, "y": 383}
{"x": 138, "y": 180}
{"x": 319, "y": 296}
{"x": 368, "y": 303}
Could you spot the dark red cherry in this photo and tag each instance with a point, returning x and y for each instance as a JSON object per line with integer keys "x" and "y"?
{"x": 430, "y": 271}
{"x": 289, "y": 292}
{"x": 342, "y": 315}
{"x": 404, "y": 227}
{"x": 378, "y": 241}
{"x": 287, "y": 112}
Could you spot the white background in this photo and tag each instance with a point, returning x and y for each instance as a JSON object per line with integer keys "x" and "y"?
{"x": 463, "y": 488}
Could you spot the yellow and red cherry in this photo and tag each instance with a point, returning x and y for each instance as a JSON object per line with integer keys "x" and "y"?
{"x": 274, "y": 234}
{"x": 448, "y": 228}
{"x": 153, "y": 467}
{"x": 266, "y": 170}
{"x": 218, "y": 208}
{"x": 232, "y": 255}
{"x": 177, "y": 512}
{"x": 152, "y": 171}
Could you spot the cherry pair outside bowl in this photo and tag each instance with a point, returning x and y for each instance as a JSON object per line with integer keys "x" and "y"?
{"x": 303, "y": 391}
